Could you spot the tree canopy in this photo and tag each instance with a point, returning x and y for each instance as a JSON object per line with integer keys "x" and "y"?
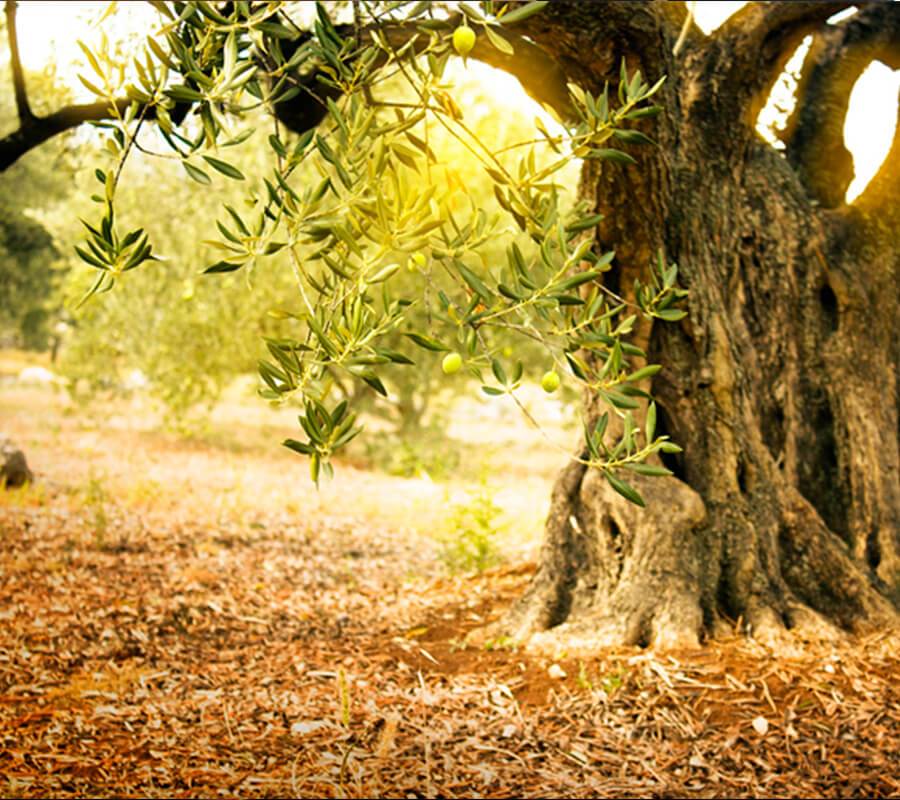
{"x": 353, "y": 193}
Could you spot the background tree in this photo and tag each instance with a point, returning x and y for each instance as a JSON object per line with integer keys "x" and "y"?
{"x": 26, "y": 255}
{"x": 782, "y": 511}
{"x": 30, "y": 264}
{"x": 189, "y": 338}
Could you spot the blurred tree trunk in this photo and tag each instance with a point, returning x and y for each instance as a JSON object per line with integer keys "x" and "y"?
{"x": 784, "y": 511}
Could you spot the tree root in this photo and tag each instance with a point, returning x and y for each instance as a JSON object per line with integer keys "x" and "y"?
{"x": 614, "y": 574}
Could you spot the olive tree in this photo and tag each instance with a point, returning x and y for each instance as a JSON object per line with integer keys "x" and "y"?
{"x": 775, "y": 332}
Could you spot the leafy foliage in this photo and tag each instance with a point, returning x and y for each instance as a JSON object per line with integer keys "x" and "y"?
{"x": 31, "y": 266}
{"x": 189, "y": 337}
{"x": 28, "y": 277}
{"x": 469, "y": 544}
{"x": 379, "y": 200}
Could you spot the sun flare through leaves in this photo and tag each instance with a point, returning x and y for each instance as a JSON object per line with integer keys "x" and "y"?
{"x": 381, "y": 198}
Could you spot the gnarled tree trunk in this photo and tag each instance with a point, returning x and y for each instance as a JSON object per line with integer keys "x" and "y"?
{"x": 784, "y": 510}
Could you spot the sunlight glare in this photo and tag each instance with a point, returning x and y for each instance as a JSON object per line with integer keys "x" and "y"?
{"x": 500, "y": 90}
{"x": 49, "y": 32}
{"x": 871, "y": 120}
{"x": 710, "y": 14}
{"x": 782, "y": 99}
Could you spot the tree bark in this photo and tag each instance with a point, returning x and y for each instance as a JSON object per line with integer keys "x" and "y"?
{"x": 784, "y": 510}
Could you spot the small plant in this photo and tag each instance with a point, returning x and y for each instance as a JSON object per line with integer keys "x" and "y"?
{"x": 28, "y": 495}
{"x": 501, "y": 643}
{"x": 470, "y": 543}
{"x": 612, "y": 681}
{"x": 95, "y": 497}
{"x": 344, "y": 698}
{"x": 583, "y": 681}
{"x": 144, "y": 492}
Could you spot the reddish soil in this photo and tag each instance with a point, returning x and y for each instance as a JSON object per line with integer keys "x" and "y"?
{"x": 179, "y": 621}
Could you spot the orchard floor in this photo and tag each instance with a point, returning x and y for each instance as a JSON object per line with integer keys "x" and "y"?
{"x": 191, "y": 619}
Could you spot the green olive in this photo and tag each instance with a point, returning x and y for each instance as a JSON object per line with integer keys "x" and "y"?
{"x": 451, "y": 363}
{"x": 550, "y": 381}
{"x": 463, "y": 40}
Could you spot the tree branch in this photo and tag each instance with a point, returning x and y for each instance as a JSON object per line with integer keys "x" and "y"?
{"x": 762, "y": 36}
{"x": 589, "y": 39}
{"x": 568, "y": 51}
{"x": 761, "y": 20}
{"x": 540, "y": 75}
{"x": 38, "y": 130}
{"x": 814, "y": 136}
{"x": 22, "y": 106}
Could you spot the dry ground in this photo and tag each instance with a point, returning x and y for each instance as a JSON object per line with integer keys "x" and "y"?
{"x": 190, "y": 619}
